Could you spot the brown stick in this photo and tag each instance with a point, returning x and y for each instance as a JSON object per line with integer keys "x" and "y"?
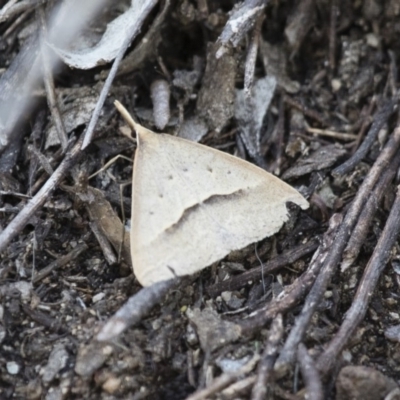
{"x": 288, "y": 353}
{"x": 223, "y": 381}
{"x": 361, "y": 230}
{"x": 314, "y": 297}
{"x": 49, "y": 83}
{"x": 310, "y": 374}
{"x": 365, "y": 290}
{"x": 46, "y": 320}
{"x": 266, "y": 365}
{"x": 380, "y": 118}
{"x": 135, "y": 309}
{"x": 59, "y": 262}
{"x": 305, "y": 110}
{"x": 19, "y": 222}
{"x": 293, "y": 293}
{"x": 280, "y": 261}
{"x": 105, "y": 245}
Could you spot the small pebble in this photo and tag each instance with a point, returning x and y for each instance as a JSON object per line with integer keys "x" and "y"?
{"x": 111, "y": 385}
{"x": 98, "y": 297}
{"x": 12, "y": 368}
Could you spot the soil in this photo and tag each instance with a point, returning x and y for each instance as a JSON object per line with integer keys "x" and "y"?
{"x": 312, "y": 312}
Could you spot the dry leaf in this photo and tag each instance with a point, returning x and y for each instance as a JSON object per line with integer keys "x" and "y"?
{"x": 192, "y": 205}
{"x": 322, "y": 158}
{"x": 107, "y": 49}
{"x": 250, "y": 112}
{"x": 216, "y": 98}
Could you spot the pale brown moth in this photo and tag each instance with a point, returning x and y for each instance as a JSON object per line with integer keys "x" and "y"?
{"x": 192, "y": 205}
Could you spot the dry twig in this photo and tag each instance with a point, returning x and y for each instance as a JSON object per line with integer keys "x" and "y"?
{"x": 224, "y": 380}
{"x": 11, "y": 9}
{"x": 356, "y": 313}
{"x": 380, "y": 118}
{"x": 361, "y": 230}
{"x": 304, "y": 109}
{"x": 135, "y": 309}
{"x": 332, "y": 134}
{"x": 74, "y": 253}
{"x": 289, "y": 257}
{"x": 105, "y": 245}
{"x": 335, "y": 252}
{"x": 49, "y": 82}
{"x": 19, "y": 222}
{"x": 293, "y": 293}
{"x": 310, "y": 374}
{"x": 288, "y": 353}
{"x": 266, "y": 364}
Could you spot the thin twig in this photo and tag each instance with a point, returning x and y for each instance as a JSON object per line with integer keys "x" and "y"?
{"x": 44, "y": 162}
{"x": 310, "y": 374}
{"x": 293, "y": 293}
{"x": 332, "y": 134}
{"x": 356, "y": 313}
{"x": 19, "y": 222}
{"x": 361, "y": 230}
{"x": 16, "y": 194}
{"x": 289, "y": 257}
{"x": 380, "y": 118}
{"x": 364, "y": 122}
{"x": 335, "y": 253}
{"x": 278, "y": 137}
{"x": 288, "y": 353}
{"x": 305, "y": 110}
{"x": 46, "y": 320}
{"x": 266, "y": 365}
{"x": 10, "y": 9}
{"x": 105, "y": 245}
{"x": 16, "y": 24}
{"x": 135, "y": 309}
{"x": 393, "y": 76}
{"x": 49, "y": 83}
{"x": 239, "y": 388}
{"x": 224, "y": 380}
{"x": 74, "y": 253}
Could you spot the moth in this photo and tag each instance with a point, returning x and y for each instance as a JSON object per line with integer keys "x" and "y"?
{"x": 192, "y": 205}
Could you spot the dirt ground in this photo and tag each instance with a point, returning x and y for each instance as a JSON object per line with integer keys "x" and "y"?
{"x": 306, "y": 90}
